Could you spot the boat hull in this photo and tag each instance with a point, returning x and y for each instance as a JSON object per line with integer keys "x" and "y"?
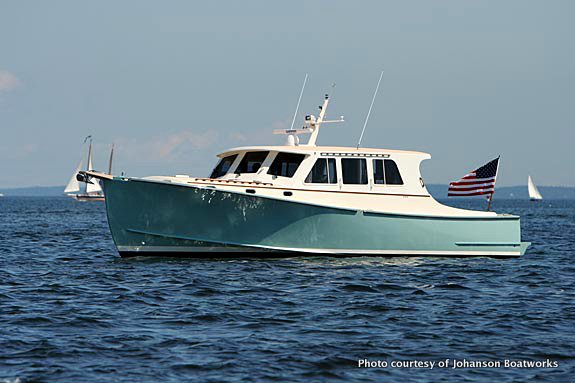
{"x": 87, "y": 197}
{"x": 154, "y": 218}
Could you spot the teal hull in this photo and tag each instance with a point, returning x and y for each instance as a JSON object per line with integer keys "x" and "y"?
{"x": 160, "y": 218}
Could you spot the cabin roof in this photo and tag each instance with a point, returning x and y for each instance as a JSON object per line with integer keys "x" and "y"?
{"x": 307, "y": 149}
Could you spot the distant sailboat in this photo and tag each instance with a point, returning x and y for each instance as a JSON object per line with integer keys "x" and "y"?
{"x": 92, "y": 190}
{"x": 534, "y": 194}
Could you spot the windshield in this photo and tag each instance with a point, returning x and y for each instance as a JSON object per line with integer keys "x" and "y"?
{"x": 223, "y": 166}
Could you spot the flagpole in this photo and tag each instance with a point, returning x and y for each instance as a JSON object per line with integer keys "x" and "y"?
{"x": 494, "y": 182}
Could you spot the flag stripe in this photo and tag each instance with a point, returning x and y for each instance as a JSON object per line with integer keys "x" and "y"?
{"x": 477, "y": 185}
{"x": 486, "y": 187}
{"x": 472, "y": 187}
{"x": 469, "y": 194}
{"x": 462, "y": 189}
{"x": 482, "y": 181}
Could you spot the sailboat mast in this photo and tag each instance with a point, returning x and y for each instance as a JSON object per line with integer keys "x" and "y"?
{"x": 111, "y": 158}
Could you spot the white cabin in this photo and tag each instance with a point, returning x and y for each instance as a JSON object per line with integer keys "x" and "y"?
{"x": 375, "y": 171}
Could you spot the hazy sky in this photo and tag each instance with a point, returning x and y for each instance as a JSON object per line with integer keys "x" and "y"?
{"x": 172, "y": 83}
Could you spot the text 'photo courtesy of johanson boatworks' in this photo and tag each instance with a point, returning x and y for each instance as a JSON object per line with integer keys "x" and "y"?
{"x": 299, "y": 191}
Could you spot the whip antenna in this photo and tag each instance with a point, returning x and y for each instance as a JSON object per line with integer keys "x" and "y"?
{"x": 369, "y": 111}
{"x": 298, "y": 102}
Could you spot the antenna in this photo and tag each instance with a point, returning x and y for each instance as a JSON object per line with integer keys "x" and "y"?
{"x": 298, "y": 102}
{"x": 369, "y": 111}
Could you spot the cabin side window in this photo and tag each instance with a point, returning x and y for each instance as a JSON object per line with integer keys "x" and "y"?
{"x": 386, "y": 172}
{"x": 378, "y": 173}
{"x": 392, "y": 176}
{"x": 323, "y": 172}
{"x": 285, "y": 164}
{"x": 354, "y": 171}
{"x": 223, "y": 166}
{"x": 251, "y": 163}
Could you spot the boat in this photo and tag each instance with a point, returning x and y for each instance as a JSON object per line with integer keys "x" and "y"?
{"x": 297, "y": 199}
{"x": 534, "y": 194}
{"x": 92, "y": 189}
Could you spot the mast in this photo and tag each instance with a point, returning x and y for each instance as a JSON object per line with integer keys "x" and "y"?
{"x": 317, "y": 123}
{"x": 111, "y": 158}
{"x": 494, "y": 181}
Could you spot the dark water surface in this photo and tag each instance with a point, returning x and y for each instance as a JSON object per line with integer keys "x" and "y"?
{"x": 72, "y": 311}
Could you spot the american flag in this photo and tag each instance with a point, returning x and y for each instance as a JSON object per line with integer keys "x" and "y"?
{"x": 478, "y": 182}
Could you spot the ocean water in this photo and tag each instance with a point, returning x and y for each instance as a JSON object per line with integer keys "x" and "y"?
{"x": 71, "y": 310}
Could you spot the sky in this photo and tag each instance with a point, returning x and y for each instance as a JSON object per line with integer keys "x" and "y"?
{"x": 173, "y": 83}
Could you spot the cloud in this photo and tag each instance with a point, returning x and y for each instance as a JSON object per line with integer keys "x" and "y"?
{"x": 261, "y": 136}
{"x": 238, "y": 137}
{"x": 30, "y": 148}
{"x": 8, "y": 81}
{"x": 188, "y": 145}
{"x": 177, "y": 146}
{"x": 283, "y": 124}
{"x": 184, "y": 141}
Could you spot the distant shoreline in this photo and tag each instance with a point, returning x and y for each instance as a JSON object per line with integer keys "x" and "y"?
{"x": 438, "y": 191}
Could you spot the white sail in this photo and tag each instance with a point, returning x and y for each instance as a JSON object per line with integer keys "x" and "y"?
{"x": 90, "y": 165}
{"x": 73, "y": 184}
{"x": 93, "y": 187}
{"x": 533, "y": 192}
